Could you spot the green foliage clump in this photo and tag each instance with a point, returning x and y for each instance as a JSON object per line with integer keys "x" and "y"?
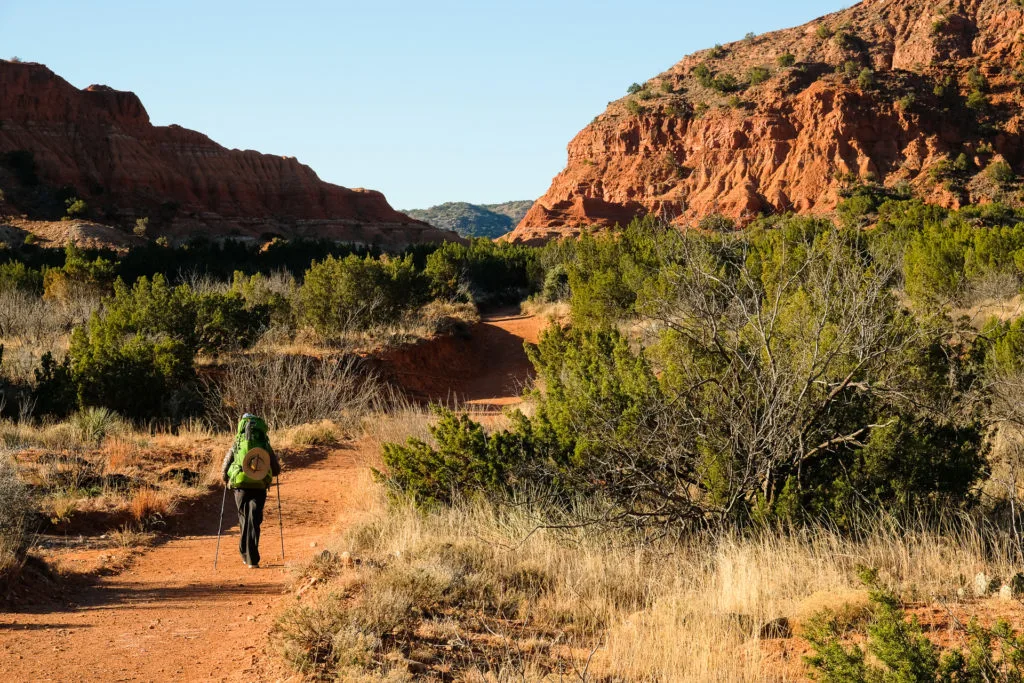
{"x": 141, "y": 227}
{"x": 353, "y": 293}
{"x": 785, "y": 60}
{"x": 758, "y": 74}
{"x": 634, "y": 88}
{"x": 902, "y": 652}
{"x": 977, "y": 101}
{"x": 866, "y": 79}
{"x": 725, "y": 83}
{"x": 136, "y": 357}
{"x": 486, "y": 272}
{"x": 466, "y": 462}
{"x": 704, "y": 75}
{"x": 75, "y": 207}
{"x": 78, "y": 275}
{"x": 1001, "y": 172}
{"x": 710, "y": 419}
{"x": 16, "y": 275}
{"x": 824, "y": 31}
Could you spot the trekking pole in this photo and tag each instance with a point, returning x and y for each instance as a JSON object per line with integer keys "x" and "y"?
{"x": 220, "y": 525}
{"x": 280, "y": 520}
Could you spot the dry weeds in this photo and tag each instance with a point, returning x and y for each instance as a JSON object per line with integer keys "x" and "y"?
{"x": 488, "y": 591}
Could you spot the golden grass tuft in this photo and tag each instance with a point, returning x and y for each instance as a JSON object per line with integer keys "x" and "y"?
{"x": 150, "y": 508}
{"x": 122, "y": 453}
{"x": 323, "y": 433}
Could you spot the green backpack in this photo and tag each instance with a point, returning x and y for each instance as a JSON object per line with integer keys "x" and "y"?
{"x": 250, "y": 468}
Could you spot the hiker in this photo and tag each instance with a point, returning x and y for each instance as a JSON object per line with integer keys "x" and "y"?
{"x": 249, "y": 468}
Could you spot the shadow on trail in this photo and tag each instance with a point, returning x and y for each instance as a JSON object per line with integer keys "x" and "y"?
{"x": 5, "y": 626}
{"x": 114, "y": 595}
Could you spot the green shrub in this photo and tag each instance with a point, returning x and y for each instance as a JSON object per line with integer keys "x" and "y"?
{"x": 785, "y": 60}
{"x": 78, "y": 275}
{"x": 15, "y": 275}
{"x": 866, "y": 79}
{"x": 354, "y": 293}
{"x": 466, "y": 462}
{"x": 977, "y": 101}
{"x": 76, "y": 207}
{"x": 138, "y": 376}
{"x": 702, "y": 72}
{"x": 225, "y": 321}
{"x": 487, "y": 272}
{"x": 976, "y": 80}
{"x": 141, "y": 226}
{"x": 758, "y": 75}
{"x": 716, "y": 52}
{"x": 556, "y": 284}
{"x": 54, "y": 392}
{"x": 1001, "y": 172}
{"x": 725, "y": 83}
{"x": 634, "y": 89}
{"x": 667, "y": 87}
{"x": 136, "y": 357}
{"x": 824, "y": 31}
{"x": 634, "y": 107}
{"x": 901, "y": 651}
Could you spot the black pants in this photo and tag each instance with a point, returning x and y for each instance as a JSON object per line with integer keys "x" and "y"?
{"x": 250, "y": 504}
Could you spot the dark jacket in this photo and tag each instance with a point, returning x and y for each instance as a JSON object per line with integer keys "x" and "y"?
{"x": 275, "y": 464}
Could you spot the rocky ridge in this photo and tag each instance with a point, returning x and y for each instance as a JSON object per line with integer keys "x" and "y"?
{"x": 98, "y": 144}
{"x": 908, "y": 93}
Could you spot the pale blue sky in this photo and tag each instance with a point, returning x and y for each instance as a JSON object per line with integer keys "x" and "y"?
{"x": 426, "y": 101}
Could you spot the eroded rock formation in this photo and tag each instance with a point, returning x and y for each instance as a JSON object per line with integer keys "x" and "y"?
{"x": 888, "y": 91}
{"x": 98, "y": 143}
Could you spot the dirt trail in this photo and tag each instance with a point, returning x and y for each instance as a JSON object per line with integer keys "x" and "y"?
{"x": 484, "y": 369}
{"x": 170, "y": 617}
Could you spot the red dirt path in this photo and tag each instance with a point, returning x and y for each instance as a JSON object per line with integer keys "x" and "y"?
{"x": 170, "y": 617}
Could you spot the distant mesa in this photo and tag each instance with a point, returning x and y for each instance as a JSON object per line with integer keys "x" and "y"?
{"x": 907, "y": 94}
{"x": 98, "y": 145}
{"x": 474, "y": 220}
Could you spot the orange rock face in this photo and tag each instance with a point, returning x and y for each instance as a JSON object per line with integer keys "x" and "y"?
{"x": 877, "y": 92}
{"x": 100, "y": 142}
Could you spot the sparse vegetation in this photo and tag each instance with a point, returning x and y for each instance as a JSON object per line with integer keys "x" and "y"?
{"x": 141, "y": 227}
{"x": 786, "y": 60}
{"x": 758, "y": 75}
{"x": 76, "y": 208}
{"x": 866, "y": 79}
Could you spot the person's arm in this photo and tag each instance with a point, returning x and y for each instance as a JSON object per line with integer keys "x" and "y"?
{"x": 228, "y": 459}
{"x": 275, "y": 464}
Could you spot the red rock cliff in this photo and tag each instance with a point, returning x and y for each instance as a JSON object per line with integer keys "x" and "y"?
{"x": 100, "y": 142}
{"x": 888, "y": 91}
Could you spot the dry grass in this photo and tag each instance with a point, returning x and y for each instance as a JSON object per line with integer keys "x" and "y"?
{"x": 558, "y": 311}
{"x": 483, "y": 592}
{"x": 323, "y": 433}
{"x": 294, "y": 390}
{"x": 122, "y": 453}
{"x": 150, "y": 508}
{"x": 16, "y": 512}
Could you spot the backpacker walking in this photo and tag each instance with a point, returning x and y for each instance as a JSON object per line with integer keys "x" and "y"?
{"x": 249, "y": 468}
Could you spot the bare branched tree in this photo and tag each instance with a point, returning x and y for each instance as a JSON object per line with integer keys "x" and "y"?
{"x": 767, "y": 362}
